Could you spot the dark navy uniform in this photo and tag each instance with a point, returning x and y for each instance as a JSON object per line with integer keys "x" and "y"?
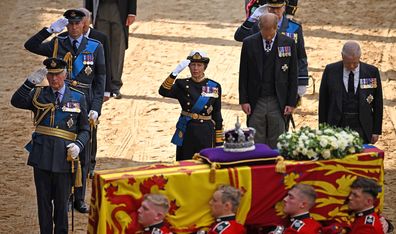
{"x": 56, "y": 127}
{"x": 200, "y": 123}
{"x": 366, "y": 222}
{"x": 300, "y": 224}
{"x": 87, "y": 73}
{"x": 289, "y": 28}
{"x": 227, "y": 225}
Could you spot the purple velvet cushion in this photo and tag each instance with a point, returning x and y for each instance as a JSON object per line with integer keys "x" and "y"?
{"x": 262, "y": 151}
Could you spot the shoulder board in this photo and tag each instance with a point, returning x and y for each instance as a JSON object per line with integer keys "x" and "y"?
{"x": 91, "y": 39}
{"x": 370, "y": 219}
{"x": 297, "y": 225}
{"x": 217, "y": 83}
{"x": 220, "y": 227}
{"x": 76, "y": 90}
{"x": 292, "y": 21}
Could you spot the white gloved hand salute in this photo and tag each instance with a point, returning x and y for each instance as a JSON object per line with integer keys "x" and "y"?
{"x": 180, "y": 67}
{"x": 38, "y": 76}
{"x": 258, "y": 12}
{"x": 93, "y": 115}
{"x": 58, "y": 26}
{"x": 73, "y": 150}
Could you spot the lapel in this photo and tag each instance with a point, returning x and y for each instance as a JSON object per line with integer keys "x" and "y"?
{"x": 339, "y": 84}
{"x": 277, "y": 43}
{"x": 284, "y": 25}
{"x": 82, "y": 46}
{"x": 362, "y": 74}
{"x": 67, "y": 45}
{"x": 48, "y": 95}
{"x": 258, "y": 49}
{"x": 66, "y": 95}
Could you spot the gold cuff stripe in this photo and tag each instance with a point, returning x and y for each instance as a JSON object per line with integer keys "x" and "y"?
{"x": 56, "y": 132}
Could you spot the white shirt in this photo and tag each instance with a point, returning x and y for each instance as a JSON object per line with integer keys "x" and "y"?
{"x": 61, "y": 93}
{"x": 272, "y": 43}
{"x": 355, "y": 77}
{"x": 78, "y": 40}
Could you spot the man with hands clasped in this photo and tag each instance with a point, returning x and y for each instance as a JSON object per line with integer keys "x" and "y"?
{"x": 200, "y": 123}
{"x": 61, "y": 129}
{"x": 86, "y": 68}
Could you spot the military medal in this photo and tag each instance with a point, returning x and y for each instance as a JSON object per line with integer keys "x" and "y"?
{"x": 70, "y": 122}
{"x": 368, "y": 83}
{"x": 284, "y": 67}
{"x": 370, "y": 99}
{"x": 88, "y": 70}
{"x": 284, "y": 51}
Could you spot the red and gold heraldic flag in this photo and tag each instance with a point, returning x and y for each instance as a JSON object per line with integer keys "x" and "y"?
{"x": 117, "y": 194}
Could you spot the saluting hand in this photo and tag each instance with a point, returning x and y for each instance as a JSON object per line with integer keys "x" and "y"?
{"x": 180, "y": 67}
{"x": 59, "y": 25}
{"x": 258, "y": 12}
{"x": 37, "y": 76}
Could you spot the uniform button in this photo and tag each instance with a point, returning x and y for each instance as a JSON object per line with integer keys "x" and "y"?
{"x": 187, "y": 86}
{"x": 188, "y": 109}
{"x": 206, "y": 106}
{"x": 188, "y": 80}
{"x": 188, "y": 103}
{"x": 203, "y": 114}
{"x": 57, "y": 127}
{"x": 188, "y": 95}
{"x": 201, "y": 121}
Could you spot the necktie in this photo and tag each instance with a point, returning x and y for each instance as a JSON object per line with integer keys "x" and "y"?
{"x": 57, "y": 98}
{"x": 351, "y": 87}
{"x": 75, "y": 46}
{"x": 267, "y": 46}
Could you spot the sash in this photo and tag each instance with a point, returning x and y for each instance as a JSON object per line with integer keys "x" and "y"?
{"x": 78, "y": 64}
{"x": 292, "y": 27}
{"x": 181, "y": 125}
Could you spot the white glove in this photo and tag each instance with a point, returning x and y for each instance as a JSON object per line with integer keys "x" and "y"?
{"x": 180, "y": 67}
{"x": 58, "y": 26}
{"x": 258, "y": 12}
{"x": 73, "y": 150}
{"x": 301, "y": 90}
{"x": 93, "y": 115}
{"x": 38, "y": 76}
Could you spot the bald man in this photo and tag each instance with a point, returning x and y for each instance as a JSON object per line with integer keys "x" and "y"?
{"x": 268, "y": 80}
{"x": 350, "y": 95}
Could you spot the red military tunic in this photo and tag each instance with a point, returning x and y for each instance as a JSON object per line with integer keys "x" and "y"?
{"x": 227, "y": 225}
{"x": 300, "y": 224}
{"x": 158, "y": 228}
{"x": 366, "y": 222}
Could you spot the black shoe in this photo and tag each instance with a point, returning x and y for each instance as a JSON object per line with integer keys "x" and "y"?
{"x": 81, "y": 207}
{"x": 117, "y": 94}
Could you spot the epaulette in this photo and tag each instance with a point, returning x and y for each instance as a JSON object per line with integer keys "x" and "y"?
{"x": 370, "y": 219}
{"x": 220, "y": 227}
{"x": 294, "y": 21}
{"x": 76, "y": 90}
{"x": 297, "y": 224}
{"x": 94, "y": 40}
